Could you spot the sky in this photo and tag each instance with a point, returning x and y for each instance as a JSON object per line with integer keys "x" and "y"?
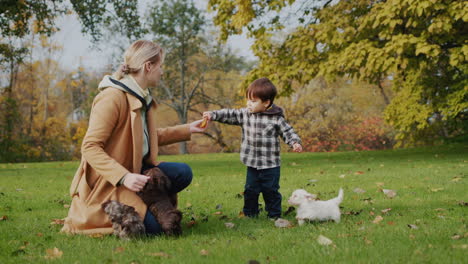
{"x": 78, "y": 49}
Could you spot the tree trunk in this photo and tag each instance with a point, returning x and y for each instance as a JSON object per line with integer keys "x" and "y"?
{"x": 183, "y": 120}
{"x": 384, "y": 95}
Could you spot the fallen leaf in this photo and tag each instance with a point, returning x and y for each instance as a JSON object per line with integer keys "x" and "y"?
{"x": 159, "y": 254}
{"x": 377, "y": 219}
{"x": 463, "y": 246}
{"x": 241, "y": 214}
{"x": 324, "y": 241}
{"x": 389, "y": 193}
{"x": 456, "y": 179}
{"x": 390, "y": 223}
{"x": 229, "y": 225}
{"x": 191, "y": 223}
{"x": 367, "y": 241}
{"x": 436, "y": 189}
{"x": 384, "y": 211}
{"x": 39, "y": 234}
{"x": 413, "y": 226}
{"x": 281, "y": 223}
{"x": 53, "y": 253}
{"x": 204, "y": 252}
{"x": 353, "y": 212}
{"x": 57, "y": 222}
{"x": 218, "y": 213}
{"x": 4, "y": 218}
{"x": 359, "y": 190}
{"x": 359, "y": 172}
{"x": 119, "y": 249}
{"x": 96, "y": 235}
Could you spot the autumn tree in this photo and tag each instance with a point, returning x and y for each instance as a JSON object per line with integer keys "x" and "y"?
{"x": 190, "y": 60}
{"x": 19, "y": 19}
{"x": 420, "y": 46}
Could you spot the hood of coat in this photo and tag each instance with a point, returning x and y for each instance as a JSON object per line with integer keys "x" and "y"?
{"x": 274, "y": 110}
{"x": 130, "y": 82}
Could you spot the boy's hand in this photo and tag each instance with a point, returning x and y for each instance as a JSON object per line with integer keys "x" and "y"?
{"x": 297, "y": 147}
{"x": 207, "y": 115}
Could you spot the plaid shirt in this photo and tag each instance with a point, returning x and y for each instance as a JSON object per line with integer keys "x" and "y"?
{"x": 260, "y": 147}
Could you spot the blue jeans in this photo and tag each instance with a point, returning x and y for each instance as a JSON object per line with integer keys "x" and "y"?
{"x": 264, "y": 181}
{"x": 180, "y": 175}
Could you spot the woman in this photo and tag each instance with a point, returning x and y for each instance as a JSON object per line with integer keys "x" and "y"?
{"x": 121, "y": 140}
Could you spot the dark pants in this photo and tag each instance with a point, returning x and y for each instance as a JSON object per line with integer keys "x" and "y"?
{"x": 264, "y": 181}
{"x": 180, "y": 175}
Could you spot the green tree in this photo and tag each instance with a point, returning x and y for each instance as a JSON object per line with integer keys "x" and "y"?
{"x": 421, "y": 46}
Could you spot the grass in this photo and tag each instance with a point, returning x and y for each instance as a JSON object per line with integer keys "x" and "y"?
{"x": 426, "y": 223}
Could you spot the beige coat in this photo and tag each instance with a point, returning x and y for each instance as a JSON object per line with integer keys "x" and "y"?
{"x": 111, "y": 148}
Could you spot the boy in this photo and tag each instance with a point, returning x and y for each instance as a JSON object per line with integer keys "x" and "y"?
{"x": 262, "y": 122}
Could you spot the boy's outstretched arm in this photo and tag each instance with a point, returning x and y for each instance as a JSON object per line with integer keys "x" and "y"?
{"x": 289, "y": 136}
{"x": 227, "y": 116}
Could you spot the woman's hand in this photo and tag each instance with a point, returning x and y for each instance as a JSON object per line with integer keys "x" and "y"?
{"x": 198, "y": 126}
{"x": 297, "y": 147}
{"x": 135, "y": 182}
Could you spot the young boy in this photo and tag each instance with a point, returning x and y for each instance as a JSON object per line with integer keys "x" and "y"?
{"x": 262, "y": 122}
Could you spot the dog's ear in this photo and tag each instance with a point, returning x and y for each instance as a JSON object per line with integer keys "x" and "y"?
{"x": 104, "y": 205}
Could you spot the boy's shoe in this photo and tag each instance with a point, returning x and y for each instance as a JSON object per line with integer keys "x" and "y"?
{"x": 274, "y": 218}
{"x": 251, "y": 215}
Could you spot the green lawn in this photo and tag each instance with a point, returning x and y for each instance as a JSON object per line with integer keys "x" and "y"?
{"x": 426, "y": 223}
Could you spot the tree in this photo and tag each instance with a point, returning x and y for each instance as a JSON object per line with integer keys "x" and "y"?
{"x": 20, "y": 18}
{"x": 419, "y": 45}
{"x": 191, "y": 62}
{"x": 178, "y": 25}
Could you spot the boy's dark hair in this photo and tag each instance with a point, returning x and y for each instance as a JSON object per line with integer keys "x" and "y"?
{"x": 263, "y": 89}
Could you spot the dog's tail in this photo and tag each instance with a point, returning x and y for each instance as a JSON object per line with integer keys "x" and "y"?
{"x": 339, "y": 198}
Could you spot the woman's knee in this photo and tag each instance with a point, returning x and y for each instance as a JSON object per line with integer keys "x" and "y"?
{"x": 186, "y": 173}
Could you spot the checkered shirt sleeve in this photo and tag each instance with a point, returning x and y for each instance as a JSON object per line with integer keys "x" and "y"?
{"x": 287, "y": 133}
{"x": 229, "y": 116}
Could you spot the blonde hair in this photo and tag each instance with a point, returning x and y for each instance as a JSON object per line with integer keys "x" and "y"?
{"x": 140, "y": 52}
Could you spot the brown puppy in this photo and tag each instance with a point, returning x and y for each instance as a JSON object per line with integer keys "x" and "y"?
{"x": 125, "y": 220}
{"x": 162, "y": 205}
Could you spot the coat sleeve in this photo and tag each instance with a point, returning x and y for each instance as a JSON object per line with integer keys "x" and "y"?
{"x": 173, "y": 134}
{"x": 103, "y": 119}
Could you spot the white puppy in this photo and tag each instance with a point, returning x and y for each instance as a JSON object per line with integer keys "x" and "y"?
{"x": 311, "y": 209}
